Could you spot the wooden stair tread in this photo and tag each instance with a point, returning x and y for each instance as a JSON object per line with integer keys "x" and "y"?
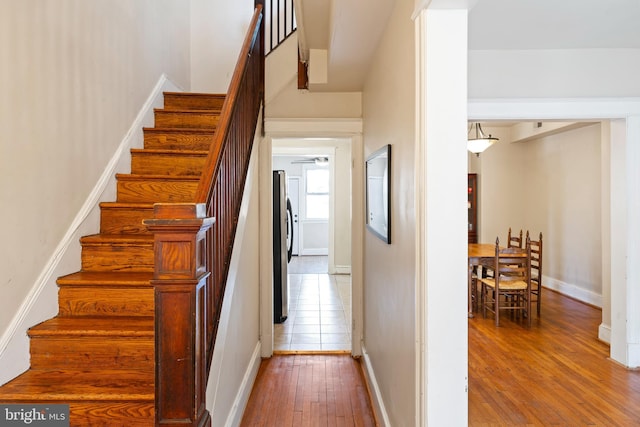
{"x": 95, "y": 326}
{"x": 126, "y": 205}
{"x": 151, "y": 151}
{"x": 80, "y": 385}
{"x": 196, "y": 94}
{"x": 135, "y": 177}
{"x": 208, "y": 111}
{"x": 98, "y": 354}
{"x": 203, "y": 131}
{"x": 116, "y": 278}
{"x": 121, "y": 239}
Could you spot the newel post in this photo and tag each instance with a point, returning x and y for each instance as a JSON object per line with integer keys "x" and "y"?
{"x": 179, "y": 282}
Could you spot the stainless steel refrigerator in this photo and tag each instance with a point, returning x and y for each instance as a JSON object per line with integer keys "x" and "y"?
{"x": 282, "y": 239}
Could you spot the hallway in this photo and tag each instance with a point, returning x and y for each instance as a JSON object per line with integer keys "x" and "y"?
{"x": 309, "y": 390}
{"x": 319, "y": 309}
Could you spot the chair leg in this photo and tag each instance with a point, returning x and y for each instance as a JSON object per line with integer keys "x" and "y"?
{"x": 539, "y": 298}
{"x": 529, "y": 316}
{"x": 496, "y": 305}
{"x": 485, "y": 294}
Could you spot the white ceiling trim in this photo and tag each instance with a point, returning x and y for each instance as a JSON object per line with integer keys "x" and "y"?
{"x": 553, "y": 109}
{"x": 312, "y": 127}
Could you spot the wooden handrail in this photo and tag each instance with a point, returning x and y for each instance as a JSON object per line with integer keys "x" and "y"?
{"x": 193, "y": 244}
{"x": 222, "y": 181}
{"x": 205, "y": 187}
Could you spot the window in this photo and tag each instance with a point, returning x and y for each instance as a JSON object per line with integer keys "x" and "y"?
{"x": 317, "y": 193}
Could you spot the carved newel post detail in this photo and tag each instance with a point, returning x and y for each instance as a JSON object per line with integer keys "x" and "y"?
{"x": 179, "y": 281}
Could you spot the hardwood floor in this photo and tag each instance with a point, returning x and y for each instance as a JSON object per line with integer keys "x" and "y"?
{"x": 309, "y": 390}
{"x": 556, "y": 373}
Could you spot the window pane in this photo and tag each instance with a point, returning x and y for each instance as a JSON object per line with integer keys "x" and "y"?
{"x": 317, "y": 206}
{"x": 318, "y": 181}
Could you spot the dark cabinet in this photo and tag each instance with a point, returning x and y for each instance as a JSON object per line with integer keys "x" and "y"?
{"x": 472, "y": 207}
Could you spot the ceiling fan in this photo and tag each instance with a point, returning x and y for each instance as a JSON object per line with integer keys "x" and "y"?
{"x": 320, "y": 161}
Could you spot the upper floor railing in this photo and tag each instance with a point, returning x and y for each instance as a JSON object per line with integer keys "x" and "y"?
{"x": 280, "y": 22}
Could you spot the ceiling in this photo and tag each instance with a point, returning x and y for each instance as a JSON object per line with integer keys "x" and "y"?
{"x": 351, "y": 29}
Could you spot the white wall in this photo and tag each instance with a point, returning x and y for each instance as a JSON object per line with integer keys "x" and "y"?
{"x": 294, "y": 103}
{"x": 557, "y": 73}
{"x": 285, "y": 100}
{"x": 281, "y": 68}
{"x": 74, "y": 75}
{"x": 218, "y": 29}
{"x": 389, "y": 282}
{"x": 550, "y": 185}
{"x": 236, "y": 357}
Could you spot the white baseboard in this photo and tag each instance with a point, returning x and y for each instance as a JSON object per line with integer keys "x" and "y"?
{"x": 41, "y": 302}
{"x": 633, "y": 351}
{"x": 604, "y": 333}
{"x": 314, "y": 252}
{"x": 343, "y": 269}
{"x": 572, "y": 291}
{"x": 376, "y": 397}
{"x": 242, "y": 397}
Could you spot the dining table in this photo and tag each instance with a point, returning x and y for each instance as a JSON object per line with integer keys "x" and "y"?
{"x": 479, "y": 253}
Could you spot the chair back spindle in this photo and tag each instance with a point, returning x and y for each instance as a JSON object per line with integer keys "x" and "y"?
{"x": 510, "y": 286}
{"x": 536, "y": 271}
{"x": 514, "y": 241}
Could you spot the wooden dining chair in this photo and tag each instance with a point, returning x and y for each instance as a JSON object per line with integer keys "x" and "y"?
{"x": 536, "y": 271}
{"x": 510, "y": 288}
{"x": 514, "y": 241}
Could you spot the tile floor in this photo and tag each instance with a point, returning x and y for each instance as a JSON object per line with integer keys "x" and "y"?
{"x": 319, "y": 309}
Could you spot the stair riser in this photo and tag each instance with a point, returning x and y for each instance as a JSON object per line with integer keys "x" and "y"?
{"x": 130, "y": 414}
{"x": 167, "y": 164}
{"x": 105, "y": 301}
{"x": 92, "y": 353}
{"x": 135, "y": 258}
{"x": 179, "y": 101}
{"x": 155, "y": 191}
{"x": 177, "y": 141}
{"x": 179, "y": 119}
{"x": 124, "y": 221}
{"x": 103, "y": 414}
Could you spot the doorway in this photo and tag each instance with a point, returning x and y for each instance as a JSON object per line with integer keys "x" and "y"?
{"x": 616, "y": 262}
{"x": 319, "y": 295}
{"x": 346, "y": 136}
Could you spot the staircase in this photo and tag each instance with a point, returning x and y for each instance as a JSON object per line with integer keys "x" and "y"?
{"x": 97, "y": 354}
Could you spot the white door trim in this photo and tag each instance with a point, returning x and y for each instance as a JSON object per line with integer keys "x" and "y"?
{"x": 325, "y": 128}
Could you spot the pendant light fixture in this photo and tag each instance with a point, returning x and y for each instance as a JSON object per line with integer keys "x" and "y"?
{"x": 477, "y": 141}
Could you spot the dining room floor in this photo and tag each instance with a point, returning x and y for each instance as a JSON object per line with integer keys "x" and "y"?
{"x": 319, "y": 309}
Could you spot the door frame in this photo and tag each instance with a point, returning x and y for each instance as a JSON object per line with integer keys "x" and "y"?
{"x": 313, "y": 129}
{"x": 619, "y": 281}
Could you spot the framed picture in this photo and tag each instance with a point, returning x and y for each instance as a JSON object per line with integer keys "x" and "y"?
{"x": 378, "y": 195}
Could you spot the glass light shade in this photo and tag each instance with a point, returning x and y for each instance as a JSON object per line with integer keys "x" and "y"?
{"x": 477, "y": 146}
{"x": 481, "y": 141}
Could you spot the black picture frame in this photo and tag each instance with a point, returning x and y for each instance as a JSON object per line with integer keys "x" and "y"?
{"x": 378, "y": 193}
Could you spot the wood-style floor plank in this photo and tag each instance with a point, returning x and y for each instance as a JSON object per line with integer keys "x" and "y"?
{"x": 309, "y": 390}
{"x": 555, "y": 373}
